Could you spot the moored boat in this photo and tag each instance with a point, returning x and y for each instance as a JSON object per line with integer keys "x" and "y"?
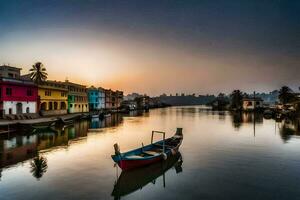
{"x": 38, "y": 123}
{"x": 152, "y": 153}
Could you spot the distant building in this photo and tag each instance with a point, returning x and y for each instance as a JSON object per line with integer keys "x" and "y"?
{"x": 96, "y": 98}
{"x": 113, "y": 99}
{"x": 129, "y": 104}
{"x": 132, "y": 96}
{"x": 142, "y": 102}
{"x": 77, "y": 98}
{"x": 119, "y": 98}
{"x": 9, "y": 72}
{"x": 53, "y": 98}
{"x": 251, "y": 103}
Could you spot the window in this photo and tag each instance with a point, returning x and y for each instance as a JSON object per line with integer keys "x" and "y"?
{"x": 71, "y": 105}
{"x": 10, "y": 75}
{"x": 27, "y": 110}
{"x": 63, "y": 94}
{"x": 29, "y": 92}
{"x": 8, "y": 91}
{"x": 47, "y": 93}
{"x": 10, "y": 111}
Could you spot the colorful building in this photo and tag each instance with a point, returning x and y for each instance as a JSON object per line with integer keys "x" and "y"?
{"x": 53, "y": 98}
{"x": 77, "y": 98}
{"x": 96, "y": 98}
{"x": 17, "y": 97}
{"x": 113, "y": 99}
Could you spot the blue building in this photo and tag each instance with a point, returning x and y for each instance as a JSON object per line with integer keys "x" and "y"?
{"x": 96, "y": 98}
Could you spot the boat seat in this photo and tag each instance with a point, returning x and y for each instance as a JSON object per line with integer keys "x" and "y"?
{"x": 134, "y": 156}
{"x": 152, "y": 153}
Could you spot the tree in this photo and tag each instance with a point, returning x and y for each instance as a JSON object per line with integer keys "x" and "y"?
{"x": 38, "y": 73}
{"x": 236, "y": 99}
{"x": 286, "y": 95}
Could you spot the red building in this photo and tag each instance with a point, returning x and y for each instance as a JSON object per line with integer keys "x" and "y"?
{"x": 17, "y": 97}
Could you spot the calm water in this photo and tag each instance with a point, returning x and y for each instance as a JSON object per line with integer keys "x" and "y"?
{"x": 224, "y": 156}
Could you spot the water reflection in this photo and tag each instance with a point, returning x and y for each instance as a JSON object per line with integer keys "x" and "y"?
{"x": 38, "y": 167}
{"x": 132, "y": 180}
{"x": 18, "y": 148}
{"x": 240, "y": 118}
{"x": 289, "y": 128}
{"x": 108, "y": 121}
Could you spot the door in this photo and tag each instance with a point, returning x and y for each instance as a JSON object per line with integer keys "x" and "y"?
{"x": 19, "y": 108}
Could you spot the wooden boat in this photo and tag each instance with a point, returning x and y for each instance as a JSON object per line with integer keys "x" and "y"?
{"x": 149, "y": 154}
{"x": 133, "y": 180}
{"x": 38, "y": 123}
{"x": 86, "y": 116}
{"x": 47, "y": 130}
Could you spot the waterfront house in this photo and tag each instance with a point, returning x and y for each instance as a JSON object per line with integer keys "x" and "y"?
{"x": 118, "y": 98}
{"x": 53, "y": 98}
{"x": 129, "y": 104}
{"x": 113, "y": 99}
{"x": 96, "y": 98}
{"x": 18, "y": 98}
{"x": 108, "y": 99}
{"x": 77, "y": 98}
{"x": 251, "y": 103}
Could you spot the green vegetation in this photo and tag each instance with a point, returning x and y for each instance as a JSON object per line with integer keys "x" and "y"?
{"x": 38, "y": 73}
{"x": 286, "y": 95}
{"x": 236, "y": 99}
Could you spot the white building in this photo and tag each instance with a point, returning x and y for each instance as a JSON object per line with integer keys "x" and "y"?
{"x": 252, "y": 103}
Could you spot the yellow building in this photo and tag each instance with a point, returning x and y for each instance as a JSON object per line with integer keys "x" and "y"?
{"x": 53, "y": 98}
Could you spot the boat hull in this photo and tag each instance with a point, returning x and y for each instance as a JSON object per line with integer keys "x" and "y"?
{"x": 131, "y": 164}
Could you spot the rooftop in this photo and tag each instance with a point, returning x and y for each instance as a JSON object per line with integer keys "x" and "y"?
{"x": 252, "y": 99}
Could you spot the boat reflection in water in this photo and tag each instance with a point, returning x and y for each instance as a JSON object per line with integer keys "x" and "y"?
{"x": 132, "y": 180}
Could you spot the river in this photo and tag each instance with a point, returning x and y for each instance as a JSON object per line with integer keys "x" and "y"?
{"x": 223, "y": 156}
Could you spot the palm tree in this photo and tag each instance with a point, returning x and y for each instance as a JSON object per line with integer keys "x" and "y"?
{"x": 286, "y": 95}
{"x": 236, "y": 99}
{"x": 38, "y": 73}
{"x": 38, "y": 166}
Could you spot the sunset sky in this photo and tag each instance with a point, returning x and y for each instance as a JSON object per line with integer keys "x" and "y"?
{"x": 156, "y": 47}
